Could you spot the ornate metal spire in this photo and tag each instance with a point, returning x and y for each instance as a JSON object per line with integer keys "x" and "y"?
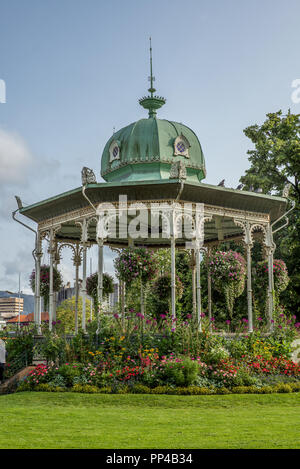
{"x": 151, "y": 78}
{"x": 152, "y": 103}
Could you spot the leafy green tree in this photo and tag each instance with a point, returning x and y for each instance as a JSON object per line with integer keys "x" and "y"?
{"x": 275, "y": 162}
{"x": 65, "y": 313}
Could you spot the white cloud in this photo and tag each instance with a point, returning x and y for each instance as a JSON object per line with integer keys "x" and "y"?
{"x": 21, "y": 173}
{"x": 22, "y": 262}
{"x": 15, "y": 158}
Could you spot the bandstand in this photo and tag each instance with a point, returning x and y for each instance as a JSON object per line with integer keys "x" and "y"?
{"x": 153, "y": 170}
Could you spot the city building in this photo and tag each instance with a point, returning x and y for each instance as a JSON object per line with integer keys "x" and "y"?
{"x": 65, "y": 293}
{"x": 11, "y": 307}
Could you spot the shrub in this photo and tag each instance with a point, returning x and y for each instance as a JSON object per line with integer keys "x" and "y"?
{"x": 140, "y": 389}
{"x": 105, "y": 390}
{"x": 206, "y": 391}
{"x": 180, "y": 372}
{"x": 123, "y": 390}
{"x": 243, "y": 378}
{"x": 41, "y": 374}
{"x": 240, "y": 390}
{"x": 85, "y": 388}
{"x": 203, "y": 382}
{"x": 23, "y": 386}
{"x": 216, "y": 354}
{"x": 58, "y": 381}
{"x": 194, "y": 391}
{"x": 252, "y": 389}
{"x": 69, "y": 372}
{"x": 82, "y": 379}
{"x": 295, "y": 387}
{"x": 46, "y": 387}
{"x": 265, "y": 390}
{"x": 237, "y": 348}
{"x": 222, "y": 391}
{"x": 188, "y": 391}
{"x": 274, "y": 366}
{"x": 163, "y": 390}
{"x": 282, "y": 388}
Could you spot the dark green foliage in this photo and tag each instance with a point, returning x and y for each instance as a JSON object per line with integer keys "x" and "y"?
{"x": 92, "y": 285}
{"x": 275, "y": 162}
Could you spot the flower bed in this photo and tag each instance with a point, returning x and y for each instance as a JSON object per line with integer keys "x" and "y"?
{"x": 274, "y": 366}
{"x": 139, "y": 350}
{"x": 173, "y": 374}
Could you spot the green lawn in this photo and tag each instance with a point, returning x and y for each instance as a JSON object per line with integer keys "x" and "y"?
{"x": 69, "y": 420}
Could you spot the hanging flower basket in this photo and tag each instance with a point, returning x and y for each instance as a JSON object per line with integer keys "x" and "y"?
{"x": 92, "y": 286}
{"x": 135, "y": 263}
{"x": 162, "y": 287}
{"x": 45, "y": 282}
{"x": 280, "y": 272}
{"x": 228, "y": 271}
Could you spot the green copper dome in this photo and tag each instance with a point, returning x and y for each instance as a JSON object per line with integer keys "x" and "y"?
{"x": 152, "y": 148}
{"x": 147, "y": 149}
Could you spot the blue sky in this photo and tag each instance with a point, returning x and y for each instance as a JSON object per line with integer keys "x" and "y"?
{"x": 74, "y": 69}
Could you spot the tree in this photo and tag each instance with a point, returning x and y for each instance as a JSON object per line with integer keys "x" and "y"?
{"x": 275, "y": 162}
{"x": 65, "y": 313}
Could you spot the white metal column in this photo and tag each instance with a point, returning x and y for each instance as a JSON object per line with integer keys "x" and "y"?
{"x": 249, "y": 277}
{"x": 37, "y": 291}
{"x": 100, "y": 281}
{"x": 173, "y": 278}
{"x": 83, "y": 291}
{"x": 198, "y": 280}
{"x": 51, "y": 252}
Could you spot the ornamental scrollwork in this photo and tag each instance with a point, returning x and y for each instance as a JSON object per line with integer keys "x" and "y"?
{"x": 88, "y": 176}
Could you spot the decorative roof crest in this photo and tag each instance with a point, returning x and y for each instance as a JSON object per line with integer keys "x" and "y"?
{"x": 152, "y": 103}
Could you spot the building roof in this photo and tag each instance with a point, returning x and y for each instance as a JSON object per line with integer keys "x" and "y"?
{"x": 28, "y": 318}
{"x": 156, "y": 190}
{"x": 145, "y": 150}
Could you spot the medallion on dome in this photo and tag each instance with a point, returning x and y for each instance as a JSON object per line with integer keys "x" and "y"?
{"x": 114, "y": 151}
{"x": 181, "y": 146}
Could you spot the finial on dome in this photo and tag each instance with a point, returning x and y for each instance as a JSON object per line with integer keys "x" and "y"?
{"x": 151, "y": 78}
{"x": 152, "y": 103}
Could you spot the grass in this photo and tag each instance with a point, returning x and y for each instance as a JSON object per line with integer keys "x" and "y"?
{"x": 70, "y": 420}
